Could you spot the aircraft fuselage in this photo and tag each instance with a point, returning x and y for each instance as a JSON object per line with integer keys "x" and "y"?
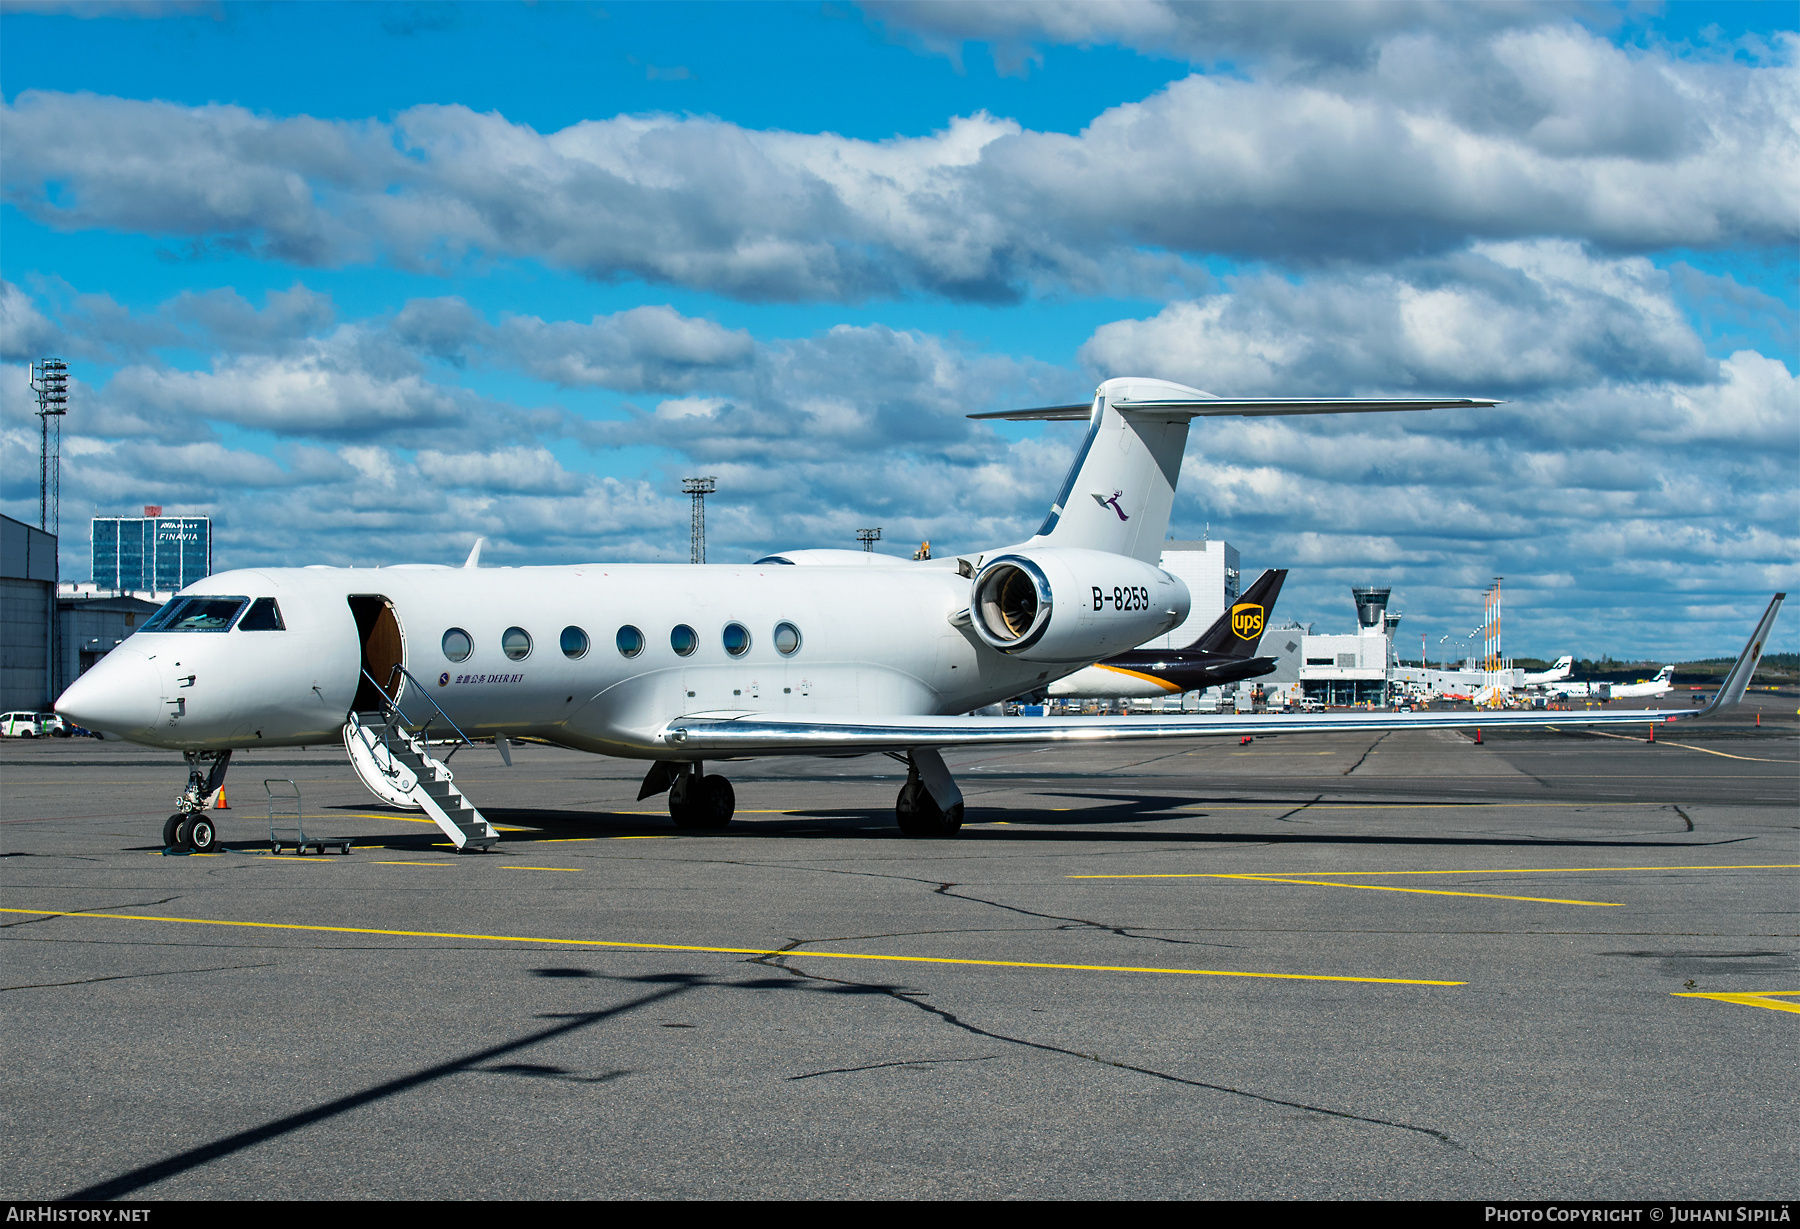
{"x": 864, "y": 641}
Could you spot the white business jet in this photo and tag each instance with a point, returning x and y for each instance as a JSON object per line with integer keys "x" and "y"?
{"x": 802, "y": 653}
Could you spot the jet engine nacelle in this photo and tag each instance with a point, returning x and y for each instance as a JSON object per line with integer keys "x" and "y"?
{"x": 1072, "y": 605}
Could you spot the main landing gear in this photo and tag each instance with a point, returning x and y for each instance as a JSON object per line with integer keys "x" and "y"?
{"x": 696, "y": 801}
{"x": 930, "y": 804}
{"x": 191, "y": 828}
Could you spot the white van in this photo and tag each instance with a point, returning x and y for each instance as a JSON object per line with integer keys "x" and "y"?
{"x": 20, "y": 725}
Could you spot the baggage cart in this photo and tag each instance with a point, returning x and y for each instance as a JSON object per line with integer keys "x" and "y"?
{"x": 284, "y": 805}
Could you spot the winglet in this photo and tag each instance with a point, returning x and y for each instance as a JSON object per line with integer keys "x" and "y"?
{"x": 474, "y": 559}
{"x": 1731, "y": 691}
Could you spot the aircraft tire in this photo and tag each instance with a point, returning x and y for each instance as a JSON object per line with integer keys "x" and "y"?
{"x": 172, "y": 831}
{"x": 706, "y": 803}
{"x": 202, "y": 834}
{"x": 718, "y": 801}
{"x": 919, "y": 814}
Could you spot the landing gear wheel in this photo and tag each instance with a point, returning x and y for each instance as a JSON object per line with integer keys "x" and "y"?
{"x": 202, "y": 835}
{"x": 919, "y": 814}
{"x": 172, "y": 831}
{"x": 181, "y": 832}
{"x": 702, "y": 802}
{"x": 720, "y": 801}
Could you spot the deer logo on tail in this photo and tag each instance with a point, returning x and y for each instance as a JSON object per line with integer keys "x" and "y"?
{"x": 1113, "y": 503}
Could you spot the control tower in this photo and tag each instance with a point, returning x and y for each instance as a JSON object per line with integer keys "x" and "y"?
{"x": 1371, "y": 606}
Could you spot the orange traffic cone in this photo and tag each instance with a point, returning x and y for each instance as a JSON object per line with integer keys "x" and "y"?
{"x": 219, "y": 803}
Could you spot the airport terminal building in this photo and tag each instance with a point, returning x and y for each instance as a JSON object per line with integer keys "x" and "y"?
{"x": 1352, "y": 669}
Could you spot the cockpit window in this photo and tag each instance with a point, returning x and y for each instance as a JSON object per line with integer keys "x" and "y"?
{"x": 197, "y": 614}
{"x": 263, "y": 616}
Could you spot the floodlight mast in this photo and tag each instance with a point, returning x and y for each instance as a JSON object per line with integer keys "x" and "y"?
{"x": 868, "y": 538}
{"x": 699, "y": 488}
{"x": 49, "y": 379}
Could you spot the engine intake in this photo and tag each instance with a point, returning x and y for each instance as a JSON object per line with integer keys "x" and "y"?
{"x": 1072, "y": 605}
{"x": 1012, "y": 604}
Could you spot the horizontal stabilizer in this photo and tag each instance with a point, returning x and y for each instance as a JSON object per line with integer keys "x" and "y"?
{"x": 1245, "y": 407}
{"x": 1044, "y": 413}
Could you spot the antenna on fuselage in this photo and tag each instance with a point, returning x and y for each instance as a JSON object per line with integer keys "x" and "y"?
{"x": 474, "y": 559}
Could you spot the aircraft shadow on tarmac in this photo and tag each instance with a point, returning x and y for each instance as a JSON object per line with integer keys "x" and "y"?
{"x": 656, "y": 988}
{"x": 986, "y": 825}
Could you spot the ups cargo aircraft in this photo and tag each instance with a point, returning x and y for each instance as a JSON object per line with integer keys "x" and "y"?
{"x": 1223, "y": 653}
{"x": 678, "y": 665}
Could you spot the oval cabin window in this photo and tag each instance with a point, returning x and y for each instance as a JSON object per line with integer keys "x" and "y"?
{"x": 574, "y": 642}
{"x": 630, "y": 641}
{"x": 684, "y": 640}
{"x": 515, "y": 642}
{"x": 787, "y": 639}
{"x": 458, "y": 644}
{"x": 737, "y": 639}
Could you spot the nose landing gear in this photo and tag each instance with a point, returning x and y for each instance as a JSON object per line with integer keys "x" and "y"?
{"x": 191, "y": 828}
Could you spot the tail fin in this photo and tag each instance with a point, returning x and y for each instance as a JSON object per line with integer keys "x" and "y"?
{"x": 1119, "y": 492}
{"x": 1238, "y": 631}
{"x": 1121, "y": 488}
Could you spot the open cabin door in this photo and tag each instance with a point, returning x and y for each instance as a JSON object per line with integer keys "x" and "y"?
{"x": 383, "y": 648}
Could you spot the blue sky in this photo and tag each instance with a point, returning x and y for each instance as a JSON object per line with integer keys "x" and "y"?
{"x": 365, "y": 281}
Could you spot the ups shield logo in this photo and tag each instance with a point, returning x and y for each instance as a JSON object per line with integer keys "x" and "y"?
{"x": 1247, "y": 620}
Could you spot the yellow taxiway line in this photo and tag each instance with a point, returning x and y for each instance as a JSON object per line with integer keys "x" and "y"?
{"x": 573, "y": 869}
{"x": 733, "y": 951}
{"x": 1522, "y": 870}
{"x": 1373, "y": 887}
{"x": 1754, "y": 759}
{"x": 1749, "y": 998}
{"x": 1410, "y": 806}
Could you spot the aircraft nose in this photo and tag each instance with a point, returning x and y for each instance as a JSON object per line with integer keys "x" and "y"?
{"x": 121, "y": 694}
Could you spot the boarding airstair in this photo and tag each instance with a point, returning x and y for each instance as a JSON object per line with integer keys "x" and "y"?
{"x": 396, "y": 762}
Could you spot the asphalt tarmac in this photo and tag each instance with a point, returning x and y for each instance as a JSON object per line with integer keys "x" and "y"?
{"x": 1346, "y": 966}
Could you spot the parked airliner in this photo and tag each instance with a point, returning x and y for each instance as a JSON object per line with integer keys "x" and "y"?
{"x": 1564, "y": 666}
{"x": 676, "y": 665}
{"x": 1661, "y": 685}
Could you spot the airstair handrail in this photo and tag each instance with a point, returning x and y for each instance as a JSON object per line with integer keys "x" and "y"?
{"x": 394, "y": 704}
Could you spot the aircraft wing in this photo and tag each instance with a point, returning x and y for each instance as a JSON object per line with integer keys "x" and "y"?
{"x": 735, "y": 733}
{"x": 752, "y": 734}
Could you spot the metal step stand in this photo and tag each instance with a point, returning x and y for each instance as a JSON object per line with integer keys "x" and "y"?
{"x": 433, "y": 787}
